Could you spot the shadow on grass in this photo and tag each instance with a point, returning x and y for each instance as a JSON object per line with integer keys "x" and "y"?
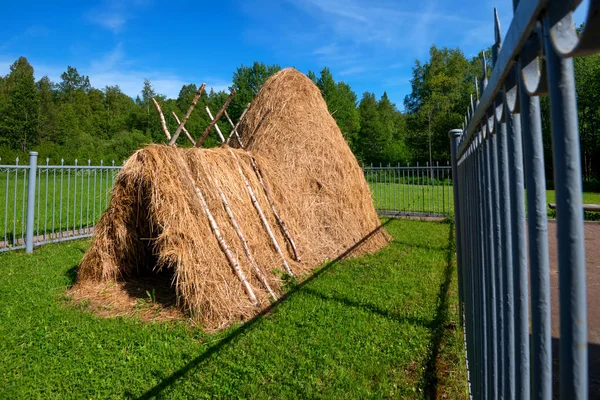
{"x": 439, "y": 323}
{"x": 156, "y": 390}
{"x": 371, "y": 308}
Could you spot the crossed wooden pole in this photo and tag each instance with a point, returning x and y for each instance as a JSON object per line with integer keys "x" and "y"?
{"x": 231, "y": 258}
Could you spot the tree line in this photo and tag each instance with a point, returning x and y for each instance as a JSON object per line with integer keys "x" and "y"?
{"x": 71, "y": 119}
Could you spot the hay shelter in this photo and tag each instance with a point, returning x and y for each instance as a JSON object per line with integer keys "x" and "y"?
{"x": 229, "y": 224}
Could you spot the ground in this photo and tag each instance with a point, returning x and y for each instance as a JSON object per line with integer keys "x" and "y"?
{"x": 592, "y": 255}
{"x": 383, "y": 326}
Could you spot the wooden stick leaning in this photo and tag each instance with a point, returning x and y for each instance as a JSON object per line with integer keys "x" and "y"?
{"x": 235, "y": 127}
{"x": 185, "y": 131}
{"x": 187, "y": 114}
{"x": 280, "y": 222}
{"x": 163, "y": 123}
{"x": 228, "y": 253}
{"x": 214, "y": 121}
{"x": 242, "y": 238}
{"x": 258, "y": 173}
{"x": 216, "y": 125}
{"x": 258, "y": 208}
{"x": 261, "y": 215}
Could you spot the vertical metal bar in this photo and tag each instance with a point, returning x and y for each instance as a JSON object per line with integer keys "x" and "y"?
{"x": 39, "y": 177}
{"x": 507, "y": 277}
{"x": 87, "y": 209}
{"x": 485, "y": 246}
{"x": 491, "y": 268}
{"x": 81, "y": 170}
{"x": 75, "y": 198}
{"x": 15, "y": 202}
{"x": 498, "y": 260}
{"x": 23, "y": 201}
{"x": 454, "y": 140}
{"x": 404, "y": 190}
{"x": 395, "y": 186}
{"x": 569, "y": 221}
{"x": 95, "y": 200}
{"x": 6, "y": 208}
{"x": 437, "y": 186}
{"x": 521, "y": 292}
{"x": 68, "y": 199}
{"x": 46, "y": 202}
{"x": 535, "y": 178}
{"x": 101, "y": 186}
{"x": 31, "y": 200}
{"x": 60, "y": 210}
{"x": 481, "y": 302}
{"x": 53, "y": 234}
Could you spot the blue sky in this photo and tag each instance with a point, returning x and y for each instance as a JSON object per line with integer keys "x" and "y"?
{"x": 371, "y": 45}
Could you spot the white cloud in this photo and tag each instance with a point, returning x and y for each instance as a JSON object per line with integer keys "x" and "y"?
{"x": 111, "y": 20}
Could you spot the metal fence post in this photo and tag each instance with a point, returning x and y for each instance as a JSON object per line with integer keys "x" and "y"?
{"x": 454, "y": 136}
{"x": 31, "y": 201}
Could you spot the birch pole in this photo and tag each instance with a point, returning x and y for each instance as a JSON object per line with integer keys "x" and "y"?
{"x": 263, "y": 219}
{"x": 228, "y": 253}
{"x": 185, "y": 131}
{"x": 284, "y": 229}
{"x": 163, "y": 123}
{"x": 187, "y": 114}
{"x": 214, "y": 121}
{"x": 216, "y": 124}
{"x": 280, "y": 222}
{"x": 234, "y": 130}
{"x": 242, "y": 238}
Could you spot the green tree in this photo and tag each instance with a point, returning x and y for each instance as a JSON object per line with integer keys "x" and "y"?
{"x": 147, "y": 94}
{"x": 47, "y": 118}
{"x": 438, "y": 101}
{"x": 71, "y": 82}
{"x": 372, "y": 137}
{"x": 247, "y": 81}
{"x": 19, "y": 114}
{"x": 341, "y": 103}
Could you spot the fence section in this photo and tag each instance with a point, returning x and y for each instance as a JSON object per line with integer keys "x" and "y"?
{"x": 45, "y": 203}
{"x": 494, "y": 156}
{"x": 411, "y": 191}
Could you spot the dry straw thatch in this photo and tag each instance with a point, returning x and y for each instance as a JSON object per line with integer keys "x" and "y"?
{"x": 167, "y": 202}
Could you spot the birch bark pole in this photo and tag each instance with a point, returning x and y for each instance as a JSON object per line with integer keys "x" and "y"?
{"x": 280, "y": 222}
{"x": 214, "y": 121}
{"x": 258, "y": 173}
{"x": 235, "y": 127}
{"x": 242, "y": 238}
{"x": 185, "y": 131}
{"x": 187, "y": 114}
{"x": 163, "y": 123}
{"x": 228, "y": 253}
{"x": 262, "y": 216}
{"x": 216, "y": 124}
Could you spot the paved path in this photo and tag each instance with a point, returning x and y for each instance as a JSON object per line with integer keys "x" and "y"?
{"x": 592, "y": 255}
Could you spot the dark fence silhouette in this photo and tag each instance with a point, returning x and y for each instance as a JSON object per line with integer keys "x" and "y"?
{"x": 498, "y": 152}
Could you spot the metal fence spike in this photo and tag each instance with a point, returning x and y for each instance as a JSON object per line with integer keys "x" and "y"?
{"x": 497, "y": 33}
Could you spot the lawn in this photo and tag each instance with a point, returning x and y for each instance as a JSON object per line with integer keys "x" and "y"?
{"x": 438, "y": 199}
{"x": 380, "y": 326}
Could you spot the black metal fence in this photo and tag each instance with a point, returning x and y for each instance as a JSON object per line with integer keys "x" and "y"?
{"x": 494, "y": 156}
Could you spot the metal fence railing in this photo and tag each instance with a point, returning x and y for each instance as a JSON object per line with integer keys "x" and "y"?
{"x": 497, "y": 153}
{"x": 51, "y": 203}
{"x": 411, "y": 190}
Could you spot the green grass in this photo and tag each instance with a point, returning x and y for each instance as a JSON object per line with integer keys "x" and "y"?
{"x": 380, "y": 326}
{"x": 71, "y": 213}
{"x": 439, "y": 199}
